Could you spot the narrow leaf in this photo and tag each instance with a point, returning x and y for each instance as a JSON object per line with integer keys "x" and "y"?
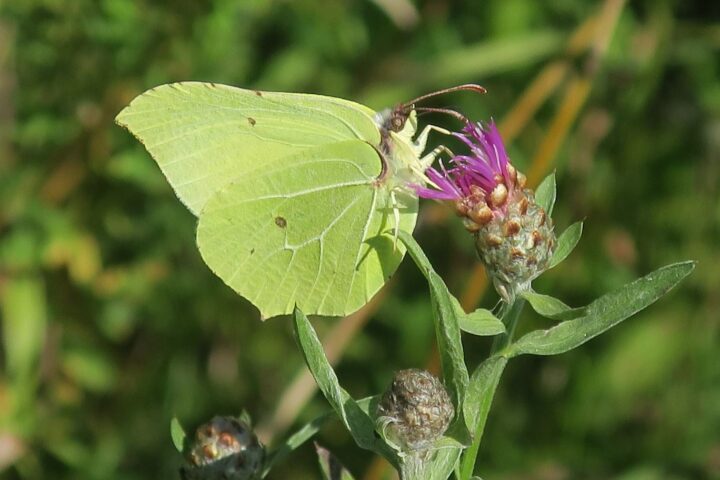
{"x": 481, "y": 389}
{"x": 545, "y": 194}
{"x": 359, "y": 423}
{"x": 330, "y": 466}
{"x": 177, "y": 433}
{"x": 442, "y": 462}
{"x": 483, "y": 383}
{"x": 245, "y": 417}
{"x": 447, "y": 330}
{"x": 481, "y": 322}
{"x": 604, "y": 313}
{"x": 305, "y": 433}
{"x": 552, "y": 307}
{"x": 416, "y": 252}
{"x": 370, "y": 405}
{"x": 566, "y": 243}
{"x": 447, "y": 327}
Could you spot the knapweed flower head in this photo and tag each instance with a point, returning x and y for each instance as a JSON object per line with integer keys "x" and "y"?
{"x": 513, "y": 235}
{"x": 225, "y": 448}
{"x": 415, "y": 410}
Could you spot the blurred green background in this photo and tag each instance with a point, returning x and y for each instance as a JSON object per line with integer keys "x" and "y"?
{"x": 112, "y": 324}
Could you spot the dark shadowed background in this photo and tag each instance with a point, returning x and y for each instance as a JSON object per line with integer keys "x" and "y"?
{"x": 112, "y": 324}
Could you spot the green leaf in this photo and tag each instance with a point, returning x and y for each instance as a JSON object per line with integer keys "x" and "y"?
{"x": 441, "y": 462}
{"x": 481, "y": 322}
{"x": 436, "y": 463}
{"x": 177, "y": 433}
{"x": 545, "y": 194}
{"x": 369, "y": 405}
{"x": 551, "y": 307}
{"x": 566, "y": 243}
{"x": 604, "y": 313}
{"x": 359, "y": 423}
{"x": 310, "y": 230}
{"x": 305, "y": 433}
{"x": 447, "y": 327}
{"x": 483, "y": 383}
{"x": 481, "y": 389}
{"x": 331, "y": 468}
{"x": 245, "y": 417}
{"x": 447, "y": 330}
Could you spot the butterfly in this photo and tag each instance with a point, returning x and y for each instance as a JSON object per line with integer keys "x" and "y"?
{"x": 299, "y": 197}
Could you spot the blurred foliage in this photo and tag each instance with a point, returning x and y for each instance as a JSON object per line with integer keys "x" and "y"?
{"x": 112, "y": 324}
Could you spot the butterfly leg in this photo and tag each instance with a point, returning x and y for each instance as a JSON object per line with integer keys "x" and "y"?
{"x": 425, "y": 162}
{"x": 396, "y": 216}
{"x": 421, "y": 140}
{"x": 428, "y": 159}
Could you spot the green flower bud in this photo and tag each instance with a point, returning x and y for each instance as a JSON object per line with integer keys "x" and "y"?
{"x": 516, "y": 246}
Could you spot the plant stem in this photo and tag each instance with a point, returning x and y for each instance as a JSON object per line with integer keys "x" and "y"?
{"x": 510, "y": 319}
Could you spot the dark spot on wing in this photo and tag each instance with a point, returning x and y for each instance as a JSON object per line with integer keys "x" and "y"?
{"x": 252, "y": 250}
{"x": 251, "y": 121}
{"x": 280, "y": 222}
{"x": 258, "y": 93}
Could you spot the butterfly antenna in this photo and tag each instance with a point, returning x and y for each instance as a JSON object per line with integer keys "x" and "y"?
{"x": 469, "y": 87}
{"x": 446, "y": 111}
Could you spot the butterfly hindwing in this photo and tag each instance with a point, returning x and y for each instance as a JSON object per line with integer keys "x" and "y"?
{"x": 312, "y": 229}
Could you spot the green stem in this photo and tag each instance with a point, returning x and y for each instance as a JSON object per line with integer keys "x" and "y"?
{"x": 492, "y": 377}
{"x": 510, "y": 319}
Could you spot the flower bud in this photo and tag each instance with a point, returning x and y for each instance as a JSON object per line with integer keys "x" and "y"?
{"x": 415, "y": 411}
{"x": 516, "y": 246}
{"x": 225, "y": 448}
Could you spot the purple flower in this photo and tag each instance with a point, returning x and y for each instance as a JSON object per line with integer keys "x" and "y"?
{"x": 486, "y": 172}
{"x": 514, "y": 236}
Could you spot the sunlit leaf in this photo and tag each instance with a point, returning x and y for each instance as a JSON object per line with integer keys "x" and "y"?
{"x": 545, "y": 194}
{"x": 481, "y": 322}
{"x": 447, "y": 327}
{"x": 481, "y": 390}
{"x": 359, "y": 423}
{"x": 305, "y": 433}
{"x": 177, "y": 433}
{"x": 566, "y": 243}
{"x": 604, "y": 313}
{"x": 551, "y": 307}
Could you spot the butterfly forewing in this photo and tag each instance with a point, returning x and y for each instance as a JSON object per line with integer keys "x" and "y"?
{"x": 205, "y": 135}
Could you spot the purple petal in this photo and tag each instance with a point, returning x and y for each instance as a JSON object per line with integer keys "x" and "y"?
{"x": 487, "y": 160}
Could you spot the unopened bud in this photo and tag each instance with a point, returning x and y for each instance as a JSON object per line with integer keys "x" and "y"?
{"x": 517, "y": 246}
{"x": 415, "y": 411}
{"x": 224, "y": 449}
